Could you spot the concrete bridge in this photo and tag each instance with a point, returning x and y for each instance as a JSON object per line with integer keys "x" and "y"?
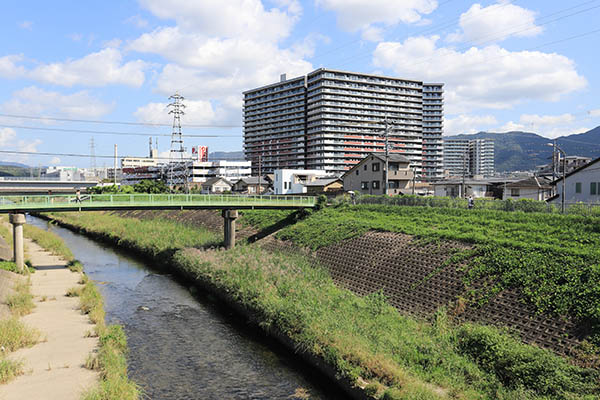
{"x": 17, "y": 206}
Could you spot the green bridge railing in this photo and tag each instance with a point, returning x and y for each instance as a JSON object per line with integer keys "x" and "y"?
{"x": 148, "y": 201}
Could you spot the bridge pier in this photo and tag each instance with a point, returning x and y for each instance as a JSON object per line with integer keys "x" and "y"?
{"x": 17, "y": 221}
{"x": 229, "y": 217}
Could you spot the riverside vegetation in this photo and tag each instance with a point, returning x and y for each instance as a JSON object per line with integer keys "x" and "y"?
{"x": 13, "y": 333}
{"x": 110, "y": 358}
{"x": 390, "y": 355}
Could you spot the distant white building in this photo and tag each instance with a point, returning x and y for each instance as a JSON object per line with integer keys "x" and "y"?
{"x": 293, "y": 181}
{"x": 201, "y": 171}
{"x": 469, "y": 157}
{"x": 582, "y": 185}
{"x": 198, "y": 172}
{"x": 134, "y": 162}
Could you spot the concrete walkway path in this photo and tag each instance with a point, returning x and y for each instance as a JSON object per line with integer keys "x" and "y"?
{"x": 54, "y": 367}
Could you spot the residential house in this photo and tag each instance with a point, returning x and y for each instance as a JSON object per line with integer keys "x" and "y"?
{"x": 251, "y": 185}
{"x": 368, "y": 176}
{"x": 293, "y": 181}
{"x": 216, "y": 185}
{"x": 325, "y": 186}
{"x": 581, "y": 185}
{"x": 536, "y": 188}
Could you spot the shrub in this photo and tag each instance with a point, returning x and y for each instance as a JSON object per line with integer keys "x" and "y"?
{"x": 522, "y": 366}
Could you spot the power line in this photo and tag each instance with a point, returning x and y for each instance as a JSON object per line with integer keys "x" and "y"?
{"x": 91, "y": 121}
{"x": 107, "y": 132}
{"x": 472, "y": 43}
{"x": 35, "y": 153}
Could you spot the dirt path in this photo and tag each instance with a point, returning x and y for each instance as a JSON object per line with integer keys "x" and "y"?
{"x": 53, "y": 368}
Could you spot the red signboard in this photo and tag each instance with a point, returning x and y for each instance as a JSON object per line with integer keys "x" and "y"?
{"x": 200, "y": 153}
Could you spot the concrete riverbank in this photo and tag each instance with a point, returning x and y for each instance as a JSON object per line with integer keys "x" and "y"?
{"x": 53, "y": 368}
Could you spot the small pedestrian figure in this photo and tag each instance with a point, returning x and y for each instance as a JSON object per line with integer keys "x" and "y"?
{"x": 78, "y": 196}
{"x": 50, "y": 196}
{"x": 352, "y": 197}
{"x": 471, "y": 202}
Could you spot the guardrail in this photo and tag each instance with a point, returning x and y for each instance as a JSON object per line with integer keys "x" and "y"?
{"x": 99, "y": 201}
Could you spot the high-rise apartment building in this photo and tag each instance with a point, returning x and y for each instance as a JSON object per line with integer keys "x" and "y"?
{"x": 471, "y": 157}
{"x": 330, "y": 120}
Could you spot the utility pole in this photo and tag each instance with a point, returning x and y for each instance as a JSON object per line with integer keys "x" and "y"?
{"x": 413, "y": 179}
{"x": 464, "y": 172}
{"x": 386, "y": 133}
{"x": 176, "y": 155}
{"x": 259, "y": 176}
{"x": 115, "y": 168}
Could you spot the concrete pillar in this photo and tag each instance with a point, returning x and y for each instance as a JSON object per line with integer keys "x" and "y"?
{"x": 17, "y": 221}
{"x": 229, "y": 217}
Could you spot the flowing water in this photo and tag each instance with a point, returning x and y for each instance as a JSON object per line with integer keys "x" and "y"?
{"x": 181, "y": 346}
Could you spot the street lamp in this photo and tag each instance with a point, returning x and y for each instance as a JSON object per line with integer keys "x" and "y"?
{"x": 564, "y": 173}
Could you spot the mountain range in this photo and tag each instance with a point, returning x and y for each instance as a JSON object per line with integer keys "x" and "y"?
{"x": 523, "y": 151}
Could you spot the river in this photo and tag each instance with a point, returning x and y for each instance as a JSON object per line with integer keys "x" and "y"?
{"x": 184, "y": 346}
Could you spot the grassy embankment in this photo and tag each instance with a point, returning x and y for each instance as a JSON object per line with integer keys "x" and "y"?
{"x": 13, "y": 333}
{"x": 110, "y": 359}
{"x": 364, "y": 339}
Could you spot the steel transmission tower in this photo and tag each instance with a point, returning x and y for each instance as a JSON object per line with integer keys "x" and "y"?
{"x": 93, "y": 155}
{"x": 177, "y": 153}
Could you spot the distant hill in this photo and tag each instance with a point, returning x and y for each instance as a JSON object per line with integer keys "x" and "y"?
{"x": 13, "y": 164}
{"x": 523, "y": 151}
{"x": 12, "y": 170}
{"x": 226, "y": 155}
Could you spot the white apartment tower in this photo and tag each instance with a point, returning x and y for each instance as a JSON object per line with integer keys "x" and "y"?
{"x": 330, "y": 120}
{"x": 471, "y": 157}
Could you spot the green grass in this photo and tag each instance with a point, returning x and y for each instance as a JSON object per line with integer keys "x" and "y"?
{"x": 9, "y": 369}
{"x": 15, "y": 335}
{"x": 553, "y": 259}
{"x": 21, "y": 302}
{"x": 48, "y": 240}
{"x": 156, "y": 238}
{"x": 364, "y": 337}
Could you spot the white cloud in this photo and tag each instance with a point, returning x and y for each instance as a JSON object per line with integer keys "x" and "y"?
{"x": 217, "y": 63}
{"x": 36, "y": 101}
{"x": 468, "y": 124}
{"x": 76, "y": 37}
{"x": 594, "y": 113}
{"x": 550, "y": 126}
{"x": 534, "y": 119}
{"x": 495, "y": 23}
{"x": 490, "y": 77}
{"x": 137, "y": 21}
{"x": 7, "y": 135}
{"x": 196, "y": 112}
{"x": 9, "y": 68}
{"x": 355, "y": 15}
{"x": 26, "y": 25}
{"x": 104, "y": 67}
{"x": 232, "y": 18}
{"x": 55, "y": 161}
{"x": 10, "y": 142}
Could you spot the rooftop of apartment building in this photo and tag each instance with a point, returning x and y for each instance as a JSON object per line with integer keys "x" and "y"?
{"x": 283, "y": 78}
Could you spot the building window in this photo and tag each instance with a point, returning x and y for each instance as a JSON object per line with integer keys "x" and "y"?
{"x": 593, "y": 188}
{"x": 375, "y": 167}
{"x": 365, "y": 167}
{"x": 357, "y": 172}
{"x": 364, "y": 185}
{"x": 578, "y": 187}
{"x": 375, "y": 185}
{"x": 514, "y": 192}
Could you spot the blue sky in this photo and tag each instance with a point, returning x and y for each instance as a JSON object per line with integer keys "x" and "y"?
{"x": 507, "y": 65}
